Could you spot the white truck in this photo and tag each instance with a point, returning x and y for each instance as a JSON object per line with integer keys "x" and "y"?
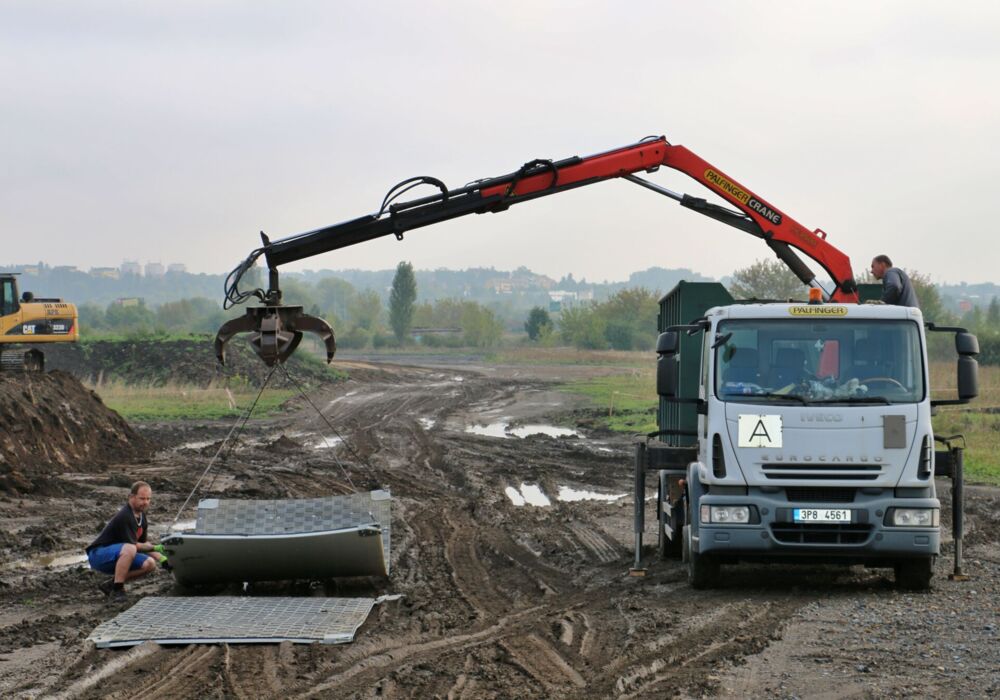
{"x": 797, "y": 432}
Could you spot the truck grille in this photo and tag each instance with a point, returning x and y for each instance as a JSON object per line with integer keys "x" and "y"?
{"x": 820, "y": 533}
{"x": 820, "y": 494}
{"x": 812, "y": 470}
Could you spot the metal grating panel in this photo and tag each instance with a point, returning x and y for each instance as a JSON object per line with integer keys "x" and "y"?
{"x": 296, "y": 516}
{"x": 186, "y": 620}
{"x": 289, "y": 516}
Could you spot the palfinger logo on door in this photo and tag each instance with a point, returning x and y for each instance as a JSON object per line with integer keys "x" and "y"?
{"x": 759, "y": 430}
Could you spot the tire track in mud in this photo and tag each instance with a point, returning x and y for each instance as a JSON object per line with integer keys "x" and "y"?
{"x": 477, "y": 584}
{"x": 498, "y": 601}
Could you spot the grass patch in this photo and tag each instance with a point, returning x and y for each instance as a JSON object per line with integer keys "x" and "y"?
{"x": 627, "y": 400}
{"x": 982, "y": 439}
{"x": 178, "y": 402}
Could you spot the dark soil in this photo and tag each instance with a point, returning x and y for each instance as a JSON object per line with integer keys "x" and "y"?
{"x": 49, "y": 425}
{"x": 498, "y": 601}
{"x": 155, "y": 362}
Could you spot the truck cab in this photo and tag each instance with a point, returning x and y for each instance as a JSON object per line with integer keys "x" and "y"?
{"x": 804, "y": 435}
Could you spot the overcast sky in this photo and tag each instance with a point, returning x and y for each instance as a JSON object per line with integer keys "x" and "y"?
{"x": 175, "y": 131}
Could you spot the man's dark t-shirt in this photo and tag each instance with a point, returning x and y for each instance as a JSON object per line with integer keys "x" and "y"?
{"x": 122, "y": 529}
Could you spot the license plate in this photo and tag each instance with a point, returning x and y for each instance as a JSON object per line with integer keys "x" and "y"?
{"x": 821, "y": 515}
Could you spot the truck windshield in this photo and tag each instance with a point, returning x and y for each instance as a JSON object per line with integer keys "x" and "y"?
{"x": 796, "y": 361}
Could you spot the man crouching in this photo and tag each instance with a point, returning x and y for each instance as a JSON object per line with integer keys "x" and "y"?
{"x": 121, "y": 549}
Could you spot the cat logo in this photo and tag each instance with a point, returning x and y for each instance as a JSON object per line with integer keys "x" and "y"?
{"x": 759, "y": 431}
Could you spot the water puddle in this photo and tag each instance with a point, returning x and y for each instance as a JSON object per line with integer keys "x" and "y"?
{"x": 538, "y": 429}
{"x": 198, "y": 445}
{"x": 326, "y": 442}
{"x": 47, "y": 561}
{"x": 503, "y": 429}
{"x": 427, "y": 423}
{"x": 183, "y": 526}
{"x": 569, "y": 495}
{"x": 458, "y": 379}
{"x": 515, "y": 496}
{"x": 491, "y": 430}
{"x": 529, "y": 494}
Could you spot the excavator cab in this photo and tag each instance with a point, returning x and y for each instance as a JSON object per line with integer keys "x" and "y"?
{"x": 29, "y": 321}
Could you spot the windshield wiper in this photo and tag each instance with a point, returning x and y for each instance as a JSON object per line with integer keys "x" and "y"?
{"x": 854, "y": 399}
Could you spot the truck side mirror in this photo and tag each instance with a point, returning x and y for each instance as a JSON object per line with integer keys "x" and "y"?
{"x": 667, "y": 365}
{"x": 668, "y": 375}
{"x": 966, "y": 344}
{"x": 968, "y": 378}
{"x": 668, "y": 343}
{"x": 967, "y": 347}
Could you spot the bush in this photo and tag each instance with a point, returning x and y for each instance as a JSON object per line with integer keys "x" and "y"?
{"x": 380, "y": 341}
{"x": 355, "y": 338}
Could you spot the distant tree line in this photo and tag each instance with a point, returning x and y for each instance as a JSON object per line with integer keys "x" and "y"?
{"x": 365, "y": 318}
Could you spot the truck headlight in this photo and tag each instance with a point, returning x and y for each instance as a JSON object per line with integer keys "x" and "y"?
{"x": 914, "y": 517}
{"x": 739, "y": 515}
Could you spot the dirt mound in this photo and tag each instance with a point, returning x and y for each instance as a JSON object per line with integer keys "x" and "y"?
{"x": 156, "y": 362}
{"x": 49, "y": 424}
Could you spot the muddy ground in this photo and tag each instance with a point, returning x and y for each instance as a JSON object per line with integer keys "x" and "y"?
{"x": 497, "y": 600}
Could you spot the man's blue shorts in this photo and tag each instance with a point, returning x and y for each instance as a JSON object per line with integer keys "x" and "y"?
{"x": 104, "y": 558}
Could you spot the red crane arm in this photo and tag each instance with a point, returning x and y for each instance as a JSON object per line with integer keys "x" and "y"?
{"x": 775, "y": 226}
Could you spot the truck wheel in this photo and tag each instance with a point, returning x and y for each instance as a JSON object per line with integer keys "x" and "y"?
{"x": 703, "y": 569}
{"x": 914, "y": 574}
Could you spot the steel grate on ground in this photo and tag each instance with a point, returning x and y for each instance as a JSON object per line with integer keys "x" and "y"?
{"x": 296, "y": 516}
{"x": 190, "y": 620}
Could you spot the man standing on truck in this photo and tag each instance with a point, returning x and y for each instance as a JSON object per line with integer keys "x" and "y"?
{"x": 896, "y": 286}
{"x": 121, "y": 549}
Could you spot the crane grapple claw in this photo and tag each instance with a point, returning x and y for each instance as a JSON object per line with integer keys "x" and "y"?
{"x": 275, "y": 332}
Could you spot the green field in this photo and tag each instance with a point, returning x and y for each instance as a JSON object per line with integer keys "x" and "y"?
{"x": 176, "y": 402}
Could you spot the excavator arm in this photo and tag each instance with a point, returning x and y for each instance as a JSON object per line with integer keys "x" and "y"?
{"x": 538, "y": 178}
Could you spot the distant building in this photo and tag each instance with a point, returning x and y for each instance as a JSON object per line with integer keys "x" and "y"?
{"x": 519, "y": 281}
{"x": 131, "y": 267}
{"x": 154, "y": 269}
{"x": 111, "y": 273}
{"x": 561, "y": 299}
{"x": 177, "y": 268}
{"x": 64, "y": 268}
{"x": 31, "y": 269}
{"x": 128, "y": 301}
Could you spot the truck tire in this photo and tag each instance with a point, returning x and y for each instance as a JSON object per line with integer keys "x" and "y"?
{"x": 703, "y": 569}
{"x": 914, "y": 574}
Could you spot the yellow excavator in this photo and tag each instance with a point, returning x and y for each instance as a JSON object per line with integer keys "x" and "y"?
{"x": 26, "y": 321}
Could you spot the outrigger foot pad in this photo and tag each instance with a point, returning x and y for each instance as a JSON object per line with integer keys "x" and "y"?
{"x": 275, "y": 332}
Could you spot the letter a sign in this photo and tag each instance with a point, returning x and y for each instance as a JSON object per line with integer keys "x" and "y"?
{"x": 759, "y": 431}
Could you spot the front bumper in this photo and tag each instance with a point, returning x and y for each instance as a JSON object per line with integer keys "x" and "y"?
{"x": 866, "y": 539}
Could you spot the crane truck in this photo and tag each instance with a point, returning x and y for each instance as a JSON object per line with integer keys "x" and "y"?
{"x": 30, "y": 321}
{"x": 791, "y": 432}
